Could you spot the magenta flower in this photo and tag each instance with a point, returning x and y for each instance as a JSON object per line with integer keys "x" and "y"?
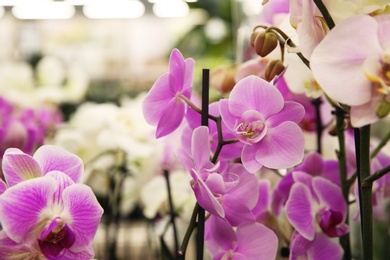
{"x": 19, "y": 166}
{"x": 355, "y": 74}
{"x": 248, "y": 241}
{"x": 58, "y": 214}
{"x": 316, "y": 202}
{"x": 320, "y": 248}
{"x": 163, "y": 105}
{"x": 265, "y": 123}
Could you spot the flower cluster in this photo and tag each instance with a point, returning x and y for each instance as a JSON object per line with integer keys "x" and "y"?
{"x": 262, "y": 187}
{"x": 45, "y": 212}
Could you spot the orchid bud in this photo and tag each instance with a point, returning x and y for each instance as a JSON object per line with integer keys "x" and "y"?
{"x": 382, "y": 108}
{"x": 253, "y": 38}
{"x": 265, "y": 43}
{"x": 222, "y": 78}
{"x": 274, "y": 68}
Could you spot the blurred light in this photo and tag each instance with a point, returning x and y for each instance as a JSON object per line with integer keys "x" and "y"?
{"x": 171, "y": 8}
{"x": 78, "y": 2}
{"x": 114, "y": 9}
{"x": 2, "y": 11}
{"x": 216, "y": 30}
{"x": 191, "y": 1}
{"x": 13, "y": 2}
{"x": 43, "y": 10}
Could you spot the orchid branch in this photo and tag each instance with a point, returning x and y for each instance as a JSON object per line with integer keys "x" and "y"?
{"x": 325, "y": 13}
{"x": 375, "y": 176}
{"x": 380, "y": 145}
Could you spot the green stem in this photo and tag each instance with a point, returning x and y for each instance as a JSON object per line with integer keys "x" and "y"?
{"x": 344, "y": 240}
{"x": 365, "y": 189}
{"x": 377, "y": 175}
{"x": 380, "y": 145}
{"x": 187, "y": 235}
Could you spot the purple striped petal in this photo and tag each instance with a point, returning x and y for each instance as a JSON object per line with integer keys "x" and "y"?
{"x": 292, "y": 111}
{"x": 22, "y": 206}
{"x": 18, "y": 166}
{"x": 85, "y": 213}
{"x": 299, "y": 210}
{"x": 282, "y": 147}
{"x": 171, "y": 117}
{"x": 55, "y": 158}
{"x": 248, "y": 158}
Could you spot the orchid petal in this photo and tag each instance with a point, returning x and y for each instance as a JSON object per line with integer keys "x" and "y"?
{"x": 18, "y": 166}
{"x": 52, "y": 158}
{"x": 215, "y": 183}
{"x": 200, "y": 148}
{"x": 235, "y": 211}
{"x": 383, "y": 30}
{"x": 156, "y": 100}
{"x": 292, "y": 111}
{"x": 282, "y": 147}
{"x": 255, "y": 240}
{"x": 21, "y": 206}
{"x": 323, "y": 248}
{"x": 248, "y": 158}
{"x": 63, "y": 182}
{"x": 176, "y": 71}
{"x": 299, "y": 210}
{"x": 66, "y": 254}
{"x": 84, "y": 213}
{"x": 338, "y": 52}
{"x": 219, "y": 234}
{"x": 254, "y": 93}
{"x": 171, "y": 117}
{"x": 228, "y": 118}
{"x": 3, "y": 186}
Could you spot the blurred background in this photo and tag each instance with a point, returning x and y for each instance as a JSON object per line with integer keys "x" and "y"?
{"x": 74, "y": 72}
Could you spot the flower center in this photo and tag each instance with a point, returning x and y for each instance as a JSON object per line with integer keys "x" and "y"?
{"x": 378, "y": 72}
{"x": 252, "y": 127}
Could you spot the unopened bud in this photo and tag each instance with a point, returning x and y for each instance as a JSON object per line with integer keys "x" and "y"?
{"x": 253, "y": 38}
{"x": 382, "y": 109}
{"x": 274, "y": 68}
{"x": 265, "y": 43}
{"x": 222, "y": 78}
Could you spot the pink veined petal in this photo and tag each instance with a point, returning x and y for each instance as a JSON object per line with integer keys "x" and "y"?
{"x": 299, "y": 210}
{"x": 323, "y": 248}
{"x": 18, "y": 166}
{"x": 264, "y": 200}
{"x": 248, "y": 158}
{"x": 55, "y": 158}
{"x": 21, "y": 205}
{"x": 292, "y": 111}
{"x": 299, "y": 246}
{"x": 365, "y": 114}
{"x": 310, "y": 30}
{"x": 188, "y": 78}
{"x": 247, "y": 189}
{"x": 219, "y": 235}
{"x": 383, "y": 32}
{"x": 256, "y": 241}
{"x": 338, "y": 54}
{"x": 254, "y": 93}
{"x": 200, "y": 148}
{"x": 156, "y": 100}
{"x": 176, "y": 71}
{"x": 205, "y": 197}
{"x": 185, "y": 159}
{"x": 228, "y": 118}
{"x": 171, "y": 117}
{"x": 63, "y": 182}
{"x": 66, "y": 254}
{"x": 330, "y": 195}
{"x": 215, "y": 183}
{"x": 282, "y": 147}
{"x": 85, "y": 213}
{"x": 235, "y": 211}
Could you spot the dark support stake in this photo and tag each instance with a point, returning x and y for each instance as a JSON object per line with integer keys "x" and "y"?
{"x": 205, "y": 113}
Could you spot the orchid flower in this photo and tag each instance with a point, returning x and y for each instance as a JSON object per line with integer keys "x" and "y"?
{"x": 315, "y": 202}
{"x": 19, "y": 166}
{"x": 363, "y": 69}
{"x": 320, "y": 248}
{"x": 62, "y": 216}
{"x": 265, "y": 124}
{"x": 164, "y": 106}
{"x": 248, "y": 241}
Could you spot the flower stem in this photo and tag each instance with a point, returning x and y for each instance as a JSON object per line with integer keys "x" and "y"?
{"x": 380, "y": 145}
{"x": 344, "y": 240}
{"x": 319, "y": 127}
{"x": 362, "y": 143}
{"x": 172, "y": 212}
{"x": 190, "y": 229}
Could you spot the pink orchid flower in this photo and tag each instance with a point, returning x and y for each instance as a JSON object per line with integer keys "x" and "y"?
{"x": 267, "y": 125}
{"x": 164, "y": 106}
{"x": 248, "y": 241}
{"x": 320, "y": 248}
{"x": 316, "y": 202}
{"x": 19, "y": 166}
{"x": 62, "y": 216}
{"x": 352, "y": 64}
